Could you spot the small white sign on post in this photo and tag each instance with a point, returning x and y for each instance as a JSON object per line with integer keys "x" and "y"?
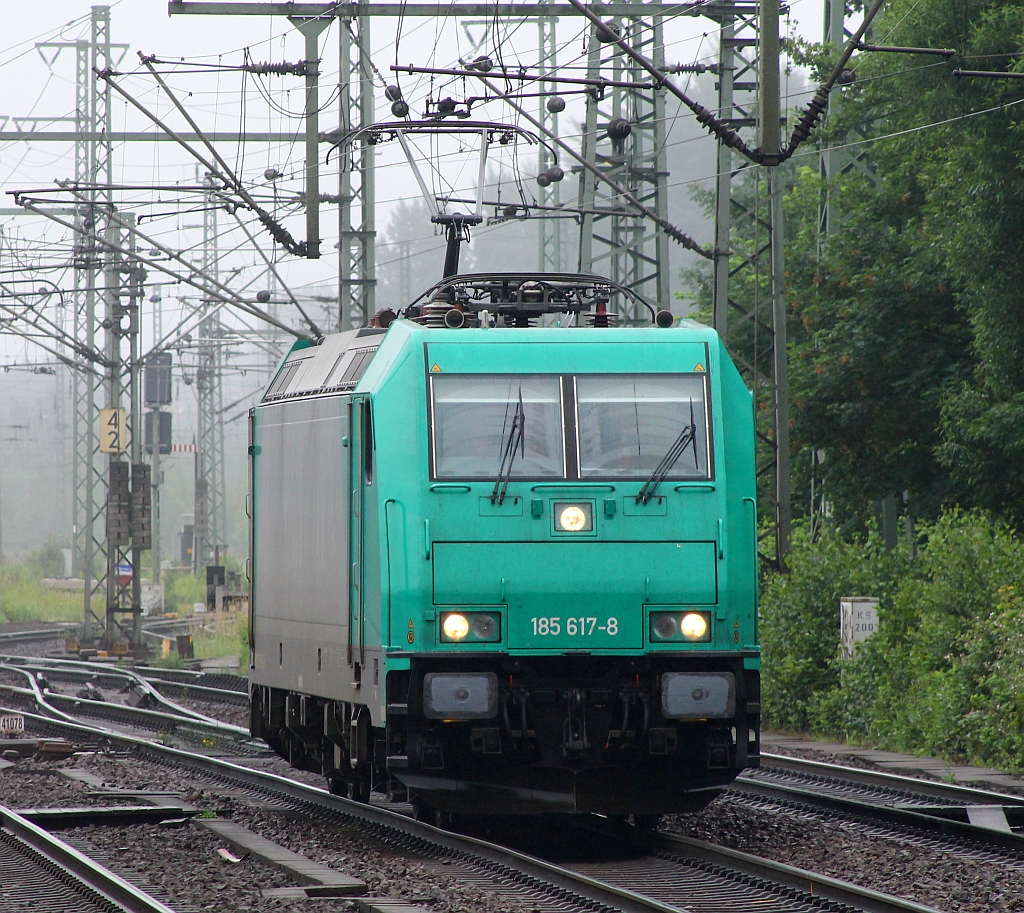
{"x": 858, "y": 620}
{"x": 152, "y": 598}
{"x": 12, "y": 724}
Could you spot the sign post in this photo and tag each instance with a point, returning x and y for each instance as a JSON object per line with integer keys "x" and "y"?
{"x": 858, "y": 620}
{"x": 113, "y": 431}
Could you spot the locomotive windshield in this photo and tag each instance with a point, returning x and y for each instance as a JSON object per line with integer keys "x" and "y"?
{"x": 629, "y": 423}
{"x": 472, "y": 417}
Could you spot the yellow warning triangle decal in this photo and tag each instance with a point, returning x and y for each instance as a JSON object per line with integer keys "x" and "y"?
{"x": 698, "y": 367}
{"x": 435, "y": 368}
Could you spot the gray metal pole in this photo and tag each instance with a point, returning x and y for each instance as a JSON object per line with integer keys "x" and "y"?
{"x": 723, "y": 180}
{"x": 549, "y": 233}
{"x": 311, "y": 29}
{"x": 588, "y": 151}
{"x": 769, "y": 133}
{"x": 780, "y": 370}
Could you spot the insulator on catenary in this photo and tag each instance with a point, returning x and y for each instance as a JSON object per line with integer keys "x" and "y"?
{"x": 608, "y": 32}
{"x": 618, "y": 128}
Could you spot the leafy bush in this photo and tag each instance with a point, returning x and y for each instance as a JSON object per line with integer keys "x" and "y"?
{"x": 47, "y": 560}
{"x": 23, "y": 599}
{"x": 799, "y": 619}
{"x": 181, "y": 591}
{"x": 944, "y": 674}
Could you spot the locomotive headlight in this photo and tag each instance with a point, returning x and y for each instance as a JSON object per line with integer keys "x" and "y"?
{"x": 574, "y": 518}
{"x": 470, "y": 627}
{"x": 455, "y": 626}
{"x": 681, "y": 626}
{"x": 694, "y": 626}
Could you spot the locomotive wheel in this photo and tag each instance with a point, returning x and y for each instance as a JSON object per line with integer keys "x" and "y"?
{"x": 444, "y": 820}
{"x": 359, "y": 791}
{"x": 421, "y": 811}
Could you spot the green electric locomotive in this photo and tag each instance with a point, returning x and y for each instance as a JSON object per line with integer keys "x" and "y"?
{"x": 504, "y": 568}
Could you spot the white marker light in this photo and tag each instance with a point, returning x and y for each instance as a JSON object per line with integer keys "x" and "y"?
{"x": 455, "y": 626}
{"x": 694, "y": 626}
{"x": 572, "y": 519}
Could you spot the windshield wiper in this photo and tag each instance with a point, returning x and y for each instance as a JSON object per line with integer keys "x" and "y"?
{"x": 687, "y": 437}
{"x": 516, "y": 441}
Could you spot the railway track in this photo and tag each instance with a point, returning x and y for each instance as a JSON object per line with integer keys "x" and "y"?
{"x": 657, "y": 872}
{"x": 52, "y": 633}
{"x": 40, "y": 872}
{"x": 170, "y": 720}
{"x": 874, "y": 799}
{"x": 981, "y": 820}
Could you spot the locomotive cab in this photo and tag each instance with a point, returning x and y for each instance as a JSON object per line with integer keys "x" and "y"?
{"x": 509, "y": 568}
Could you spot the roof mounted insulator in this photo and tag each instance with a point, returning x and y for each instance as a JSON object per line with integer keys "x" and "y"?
{"x": 602, "y": 317}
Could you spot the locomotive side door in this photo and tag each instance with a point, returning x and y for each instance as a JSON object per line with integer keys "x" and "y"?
{"x": 361, "y": 475}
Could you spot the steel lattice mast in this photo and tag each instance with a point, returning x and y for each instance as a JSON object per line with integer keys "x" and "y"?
{"x": 748, "y": 279}
{"x": 357, "y": 231}
{"x": 549, "y": 231}
{"x": 93, "y": 173}
{"x": 624, "y": 135}
{"x": 210, "y": 520}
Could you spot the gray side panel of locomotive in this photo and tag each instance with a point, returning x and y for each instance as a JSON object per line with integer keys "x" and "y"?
{"x": 301, "y": 546}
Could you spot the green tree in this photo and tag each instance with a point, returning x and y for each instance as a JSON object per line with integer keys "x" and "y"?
{"x": 880, "y": 343}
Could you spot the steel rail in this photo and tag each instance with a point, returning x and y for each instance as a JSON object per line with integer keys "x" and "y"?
{"x": 609, "y": 895}
{"x": 78, "y": 671}
{"x": 799, "y": 879}
{"x": 121, "y": 713}
{"x": 200, "y": 692}
{"x": 75, "y": 670}
{"x": 931, "y": 788}
{"x": 148, "y": 679}
{"x": 891, "y": 814}
{"x": 88, "y": 873}
{"x": 39, "y": 634}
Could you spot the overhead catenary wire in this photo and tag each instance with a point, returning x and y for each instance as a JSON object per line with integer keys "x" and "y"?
{"x": 671, "y": 230}
{"x": 208, "y": 286}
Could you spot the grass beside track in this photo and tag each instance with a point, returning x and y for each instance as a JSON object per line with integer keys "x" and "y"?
{"x": 23, "y": 599}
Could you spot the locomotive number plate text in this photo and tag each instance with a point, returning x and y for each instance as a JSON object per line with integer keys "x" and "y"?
{"x": 574, "y": 631}
{"x": 574, "y": 627}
